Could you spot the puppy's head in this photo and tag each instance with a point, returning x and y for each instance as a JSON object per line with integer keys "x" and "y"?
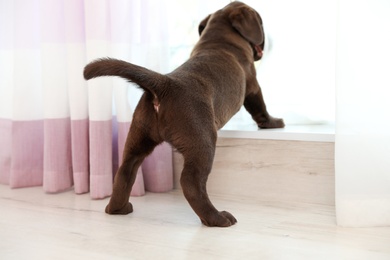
{"x": 247, "y": 22}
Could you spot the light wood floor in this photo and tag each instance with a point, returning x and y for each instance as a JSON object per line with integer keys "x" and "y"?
{"x": 34, "y": 225}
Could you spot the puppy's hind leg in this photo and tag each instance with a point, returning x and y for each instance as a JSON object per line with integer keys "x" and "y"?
{"x": 141, "y": 141}
{"x": 198, "y": 160}
{"x": 137, "y": 147}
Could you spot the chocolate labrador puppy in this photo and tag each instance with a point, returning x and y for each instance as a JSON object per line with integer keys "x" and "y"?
{"x": 187, "y": 106}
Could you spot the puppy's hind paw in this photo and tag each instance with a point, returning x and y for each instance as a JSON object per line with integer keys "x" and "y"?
{"x": 126, "y": 209}
{"x": 222, "y": 219}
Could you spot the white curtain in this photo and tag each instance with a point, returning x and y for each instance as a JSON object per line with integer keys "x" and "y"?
{"x": 297, "y": 71}
{"x": 57, "y": 130}
{"x": 363, "y": 113}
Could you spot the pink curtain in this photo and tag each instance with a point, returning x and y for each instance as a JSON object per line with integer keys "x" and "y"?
{"x": 57, "y": 130}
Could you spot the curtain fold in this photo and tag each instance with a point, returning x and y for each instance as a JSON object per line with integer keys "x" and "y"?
{"x": 77, "y": 92}
{"x": 57, "y": 130}
{"x": 363, "y": 118}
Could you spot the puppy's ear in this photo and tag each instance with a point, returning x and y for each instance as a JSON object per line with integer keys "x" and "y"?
{"x": 203, "y": 24}
{"x": 249, "y": 24}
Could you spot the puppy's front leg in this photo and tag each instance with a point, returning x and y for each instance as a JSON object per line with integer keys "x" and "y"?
{"x": 255, "y": 105}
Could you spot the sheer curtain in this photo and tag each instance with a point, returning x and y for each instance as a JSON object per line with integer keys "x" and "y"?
{"x": 56, "y": 130}
{"x": 363, "y": 114}
{"x": 297, "y": 72}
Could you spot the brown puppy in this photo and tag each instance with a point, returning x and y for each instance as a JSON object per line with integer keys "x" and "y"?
{"x": 189, "y": 105}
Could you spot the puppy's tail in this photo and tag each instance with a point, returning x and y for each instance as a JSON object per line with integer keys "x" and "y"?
{"x": 148, "y": 80}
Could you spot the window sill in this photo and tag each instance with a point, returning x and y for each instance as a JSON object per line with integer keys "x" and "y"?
{"x": 313, "y": 133}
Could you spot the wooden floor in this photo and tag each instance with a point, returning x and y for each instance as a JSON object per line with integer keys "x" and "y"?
{"x": 34, "y": 225}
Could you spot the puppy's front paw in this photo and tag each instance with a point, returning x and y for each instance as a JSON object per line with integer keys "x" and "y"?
{"x": 271, "y": 123}
{"x": 126, "y": 209}
{"x": 221, "y": 219}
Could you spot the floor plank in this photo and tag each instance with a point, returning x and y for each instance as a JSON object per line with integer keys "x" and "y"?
{"x": 36, "y": 225}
